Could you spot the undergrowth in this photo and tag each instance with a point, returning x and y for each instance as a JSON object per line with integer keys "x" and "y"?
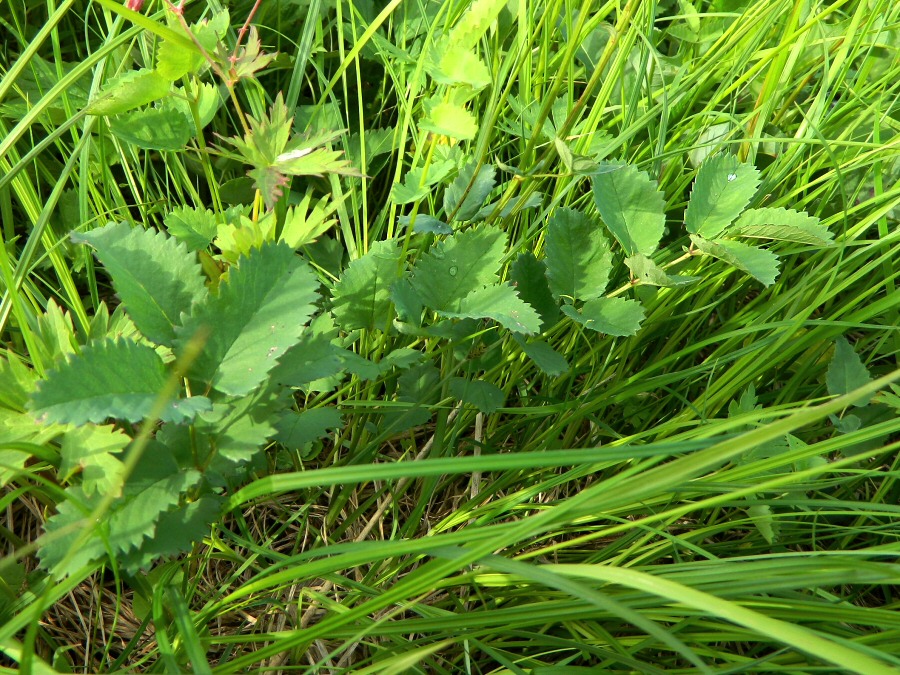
{"x": 477, "y": 337}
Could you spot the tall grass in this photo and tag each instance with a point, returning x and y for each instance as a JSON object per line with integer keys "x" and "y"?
{"x": 708, "y": 516}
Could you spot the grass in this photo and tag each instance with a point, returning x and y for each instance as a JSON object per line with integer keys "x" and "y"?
{"x": 678, "y": 526}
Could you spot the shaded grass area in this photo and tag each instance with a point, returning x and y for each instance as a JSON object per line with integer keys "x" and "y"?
{"x": 707, "y": 515}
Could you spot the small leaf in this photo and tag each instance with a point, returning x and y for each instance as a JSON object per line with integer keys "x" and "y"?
{"x": 645, "y": 270}
{"x": 193, "y": 226}
{"x": 450, "y": 119}
{"x": 500, "y": 303}
{"x": 762, "y": 265}
{"x": 313, "y": 357}
{"x": 182, "y": 526}
{"x": 295, "y": 430}
{"x": 154, "y": 129}
{"x": 474, "y": 24}
{"x": 612, "y": 316}
{"x": 723, "y": 188}
{"x": 131, "y": 90}
{"x": 578, "y": 257}
{"x": 414, "y": 187}
{"x": 362, "y": 296}
{"x": 631, "y": 206}
{"x": 483, "y": 395}
{"x": 846, "y": 371}
{"x": 91, "y": 450}
{"x": 529, "y": 276}
{"x": 451, "y": 66}
{"x": 550, "y": 361}
{"x": 460, "y": 264}
{"x": 154, "y": 275}
{"x": 304, "y": 225}
{"x": 782, "y": 225}
{"x": 425, "y": 224}
{"x": 258, "y": 313}
{"x": 110, "y": 378}
{"x": 465, "y": 195}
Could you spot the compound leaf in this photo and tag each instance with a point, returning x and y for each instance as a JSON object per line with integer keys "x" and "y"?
{"x": 578, "y": 256}
{"x": 156, "y": 277}
{"x": 457, "y": 266}
{"x": 723, "y": 188}
{"x": 259, "y": 312}
{"x": 362, "y": 296}
{"x": 631, "y": 206}
{"x": 762, "y": 265}
{"x": 110, "y": 378}
{"x": 612, "y": 316}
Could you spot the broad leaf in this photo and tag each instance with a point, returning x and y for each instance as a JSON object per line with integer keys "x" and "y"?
{"x": 645, "y": 270}
{"x": 129, "y": 91}
{"x": 362, "y": 296}
{"x": 451, "y": 66}
{"x": 91, "y": 450}
{"x": 578, "y": 256}
{"x": 723, "y": 188}
{"x": 457, "y": 266}
{"x": 474, "y": 24}
{"x": 465, "y": 195}
{"x": 156, "y": 277}
{"x": 846, "y": 371}
{"x": 550, "y": 361}
{"x": 485, "y": 396}
{"x": 295, "y": 430}
{"x": 193, "y": 226}
{"x": 631, "y": 206}
{"x": 306, "y": 222}
{"x": 154, "y": 129}
{"x": 762, "y": 265}
{"x": 240, "y": 429}
{"x": 529, "y": 276}
{"x": 110, "y": 378}
{"x": 177, "y": 531}
{"x": 449, "y": 119}
{"x": 415, "y": 187}
{"x": 612, "y": 316}
{"x": 312, "y": 358}
{"x": 426, "y": 224}
{"x": 500, "y": 303}
{"x": 781, "y": 225}
{"x": 257, "y": 315}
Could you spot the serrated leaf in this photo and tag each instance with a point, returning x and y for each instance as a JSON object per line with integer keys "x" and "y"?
{"x": 781, "y": 225}
{"x": 313, "y": 357}
{"x": 156, "y": 277}
{"x": 577, "y": 256}
{"x": 500, "y": 303}
{"x": 131, "y": 90}
{"x": 550, "y": 361}
{"x": 465, "y": 195}
{"x": 241, "y": 428}
{"x": 529, "y": 276}
{"x": 613, "y": 316}
{"x": 457, "y": 266}
{"x": 645, "y": 270}
{"x": 110, "y": 378}
{"x": 194, "y": 226}
{"x": 304, "y": 225}
{"x": 91, "y": 450}
{"x": 450, "y": 119}
{"x": 153, "y": 129}
{"x": 295, "y": 430}
{"x": 723, "y": 188}
{"x": 846, "y": 371}
{"x": 762, "y": 265}
{"x": 173, "y": 61}
{"x": 425, "y": 224}
{"x": 202, "y": 95}
{"x": 259, "y": 312}
{"x": 531, "y": 201}
{"x": 483, "y": 395}
{"x": 631, "y": 206}
{"x": 474, "y": 24}
{"x": 362, "y": 296}
{"x": 457, "y": 67}
{"x": 414, "y": 187}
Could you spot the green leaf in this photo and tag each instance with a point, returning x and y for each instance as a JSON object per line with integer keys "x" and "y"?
{"x": 17, "y": 381}
{"x": 258, "y": 313}
{"x": 362, "y": 296}
{"x": 550, "y": 361}
{"x": 631, "y": 206}
{"x": 131, "y": 90}
{"x": 782, "y": 225}
{"x": 449, "y": 119}
{"x": 645, "y": 270}
{"x": 474, "y": 24}
{"x": 483, "y": 395}
{"x": 500, "y": 303}
{"x": 529, "y": 276}
{"x": 578, "y": 256}
{"x": 240, "y": 428}
{"x": 156, "y": 277}
{"x": 154, "y": 129}
{"x": 312, "y": 358}
{"x": 426, "y": 224}
{"x": 457, "y": 67}
{"x": 457, "y": 266}
{"x": 110, "y": 378}
{"x": 183, "y": 526}
{"x": 414, "y": 187}
{"x": 762, "y": 265}
{"x": 612, "y": 316}
{"x": 846, "y": 371}
{"x": 723, "y": 188}
{"x": 194, "y": 226}
{"x": 465, "y": 195}
{"x": 295, "y": 430}
{"x": 523, "y": 203}
{"x": 303, "y": 225}
{"x": 91, "y": 450}
{"x": 173, "y": 61}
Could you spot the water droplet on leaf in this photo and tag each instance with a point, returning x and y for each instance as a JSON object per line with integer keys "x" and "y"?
{"x": 453, "y": 270}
